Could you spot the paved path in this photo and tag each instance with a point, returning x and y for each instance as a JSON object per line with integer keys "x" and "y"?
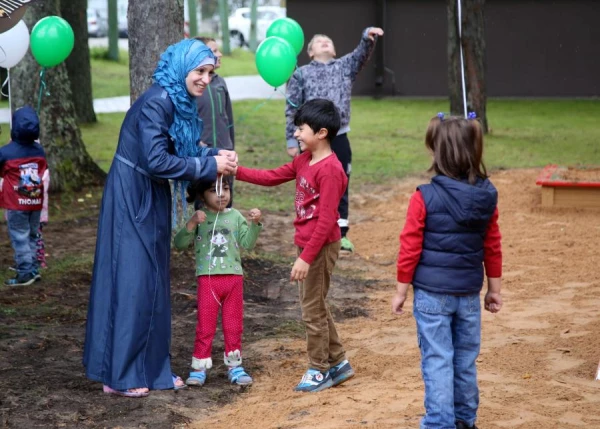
{"x": 240, "y": 88}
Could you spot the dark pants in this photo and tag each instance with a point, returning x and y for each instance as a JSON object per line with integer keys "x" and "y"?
{"x": 341, "y": 147}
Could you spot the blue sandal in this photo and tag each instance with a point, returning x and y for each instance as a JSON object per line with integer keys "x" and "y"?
{"x": 175, "y": 380}
{"x": 237, "y": 375}
{"x": 196, "y": 378}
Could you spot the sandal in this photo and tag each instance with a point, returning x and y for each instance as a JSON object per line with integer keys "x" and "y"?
{"x": 177, "y": 379}
{"x": 196, "y": 378}
{"x": 126, "y": 393}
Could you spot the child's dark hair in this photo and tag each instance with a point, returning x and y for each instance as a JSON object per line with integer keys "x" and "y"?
{"x": 456, "y": 144}
{"x": 317, "y": 114}
{"x": 198, "y": 188}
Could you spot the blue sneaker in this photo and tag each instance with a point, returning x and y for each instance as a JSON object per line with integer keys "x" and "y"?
{"x": 196, "y": 378}
{"x": 24, "y": 280}
{"x": 341, "y": 372}
{"x": 238, "y": 376}
{"x": 314, "y": 380}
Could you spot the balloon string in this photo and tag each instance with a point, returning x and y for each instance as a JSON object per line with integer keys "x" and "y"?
{"x": 286, "y": 98}
{"x": 2, "y": 90}
{"x": 43, "y": 90}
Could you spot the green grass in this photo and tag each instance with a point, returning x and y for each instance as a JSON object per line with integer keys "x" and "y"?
{"x": 387, "y": 139}
{"x": 101, "y": 137}
{"x": 239, "y": 63}
{"x": 111, "y": 79}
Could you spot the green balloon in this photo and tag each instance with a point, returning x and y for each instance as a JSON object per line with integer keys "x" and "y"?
{"x": 51, "y": 41}
{"x": 289, "y": 30}
{"x": 275, "y": 60}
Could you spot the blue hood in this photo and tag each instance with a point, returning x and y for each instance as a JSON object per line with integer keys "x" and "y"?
{"x": 469, "y": 205}
{"x": 25, "y": 125}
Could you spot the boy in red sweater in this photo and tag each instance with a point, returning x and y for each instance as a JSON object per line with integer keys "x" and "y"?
{"x": 320, "y": 184}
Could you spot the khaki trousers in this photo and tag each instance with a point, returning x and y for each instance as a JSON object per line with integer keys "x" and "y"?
{"x": 322, "y": 342}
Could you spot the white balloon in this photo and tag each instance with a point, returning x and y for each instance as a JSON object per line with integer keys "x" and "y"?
{"x": 13, "y": 45}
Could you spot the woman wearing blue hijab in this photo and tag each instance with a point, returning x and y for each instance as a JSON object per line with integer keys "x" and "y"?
{"x": 128, "y": 332}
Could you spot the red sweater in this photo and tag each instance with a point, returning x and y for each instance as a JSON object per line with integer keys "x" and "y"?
{"x": 319, "y": 188}
{"x": 411, "y": 242}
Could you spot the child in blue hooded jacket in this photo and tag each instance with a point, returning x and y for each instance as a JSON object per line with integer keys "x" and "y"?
{"x": 451, "y": 233}
{"x": 22, "y": 166}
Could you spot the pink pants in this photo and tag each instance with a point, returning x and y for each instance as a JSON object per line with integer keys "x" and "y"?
{"x": 226, "y": 291}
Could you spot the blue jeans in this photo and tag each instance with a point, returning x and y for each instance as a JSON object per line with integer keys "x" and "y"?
{"x": 449, "y": 336}
{"x": 23, "y": 229}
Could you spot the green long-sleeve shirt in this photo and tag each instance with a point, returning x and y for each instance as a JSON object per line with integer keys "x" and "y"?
{"x": 219, "y": 253}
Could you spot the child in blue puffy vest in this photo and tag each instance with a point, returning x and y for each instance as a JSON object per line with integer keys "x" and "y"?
{"x": 451, "y": 233}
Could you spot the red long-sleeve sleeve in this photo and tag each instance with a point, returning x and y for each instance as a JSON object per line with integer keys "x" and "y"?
{"x": 492, "y": 248}
{"x": 318, "y": 191}
{"x": 411, "y": 239}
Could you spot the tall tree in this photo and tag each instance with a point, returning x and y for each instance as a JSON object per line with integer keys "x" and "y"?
{"x": 71, "y": 166}
{"x": 473, "y": 42}
{"x": 78, "y": 63}
{"x": 153, "y": 26}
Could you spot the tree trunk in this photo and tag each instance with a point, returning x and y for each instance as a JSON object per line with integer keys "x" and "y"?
{"x": 473, "y": 42}
{"x": 70, "y": 165}
{"x": 78, "y": 63}
{"x": 153, "y": 26}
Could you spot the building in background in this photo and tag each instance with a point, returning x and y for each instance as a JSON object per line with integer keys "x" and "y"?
{"x": 535, "y": 48}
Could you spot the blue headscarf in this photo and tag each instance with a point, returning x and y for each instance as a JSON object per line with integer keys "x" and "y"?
{"x": 174, "y": 65}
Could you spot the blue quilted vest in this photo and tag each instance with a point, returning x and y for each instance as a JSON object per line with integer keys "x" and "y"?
{"x": 458, "y": 214}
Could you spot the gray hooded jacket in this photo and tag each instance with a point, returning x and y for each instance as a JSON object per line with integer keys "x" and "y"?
{"x": 214, "y": 108}
{"x": 332, "y": 80}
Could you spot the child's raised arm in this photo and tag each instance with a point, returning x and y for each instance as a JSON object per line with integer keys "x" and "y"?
{"x": 249, "y": 233}
{"x": 360, "y": 55}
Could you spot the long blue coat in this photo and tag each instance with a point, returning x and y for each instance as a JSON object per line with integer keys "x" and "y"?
{"x": 128, "y": 333}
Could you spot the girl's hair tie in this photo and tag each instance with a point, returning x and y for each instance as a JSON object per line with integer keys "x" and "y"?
{"x": 441, "y": 116}
{"x": 472, "y": 115}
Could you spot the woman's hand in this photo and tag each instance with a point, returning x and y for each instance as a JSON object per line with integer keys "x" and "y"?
{"x": 231, "y": 155}
{"x": 225, "y": 165}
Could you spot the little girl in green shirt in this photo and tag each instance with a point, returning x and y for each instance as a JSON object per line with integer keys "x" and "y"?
{"x": 217, "y": 233}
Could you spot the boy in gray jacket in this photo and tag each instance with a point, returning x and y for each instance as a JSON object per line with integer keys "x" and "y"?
{"x": 214, "y": 108}
{"x": 332, "y": 79}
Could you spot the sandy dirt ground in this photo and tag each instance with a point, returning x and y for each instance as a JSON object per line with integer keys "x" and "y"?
{"x": 539, "y": 354}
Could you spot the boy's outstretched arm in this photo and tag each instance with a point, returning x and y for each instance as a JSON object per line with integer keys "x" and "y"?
{"x": 294, "y": 101}
{"x": 274, "y": 177}
{"x": 361, "y": 54}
